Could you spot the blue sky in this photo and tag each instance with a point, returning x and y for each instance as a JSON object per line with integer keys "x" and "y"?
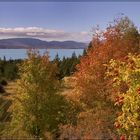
{"x": 61, "y": 20}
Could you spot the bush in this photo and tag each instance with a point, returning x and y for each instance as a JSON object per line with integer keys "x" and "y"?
{"x": 1, "y": 89}
{"x": 3, "y": 82}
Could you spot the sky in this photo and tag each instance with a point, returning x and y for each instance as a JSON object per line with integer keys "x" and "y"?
{"x": 61, "y": 20}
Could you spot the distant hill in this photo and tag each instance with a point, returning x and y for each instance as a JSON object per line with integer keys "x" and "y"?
{"x": 24, "y": 43}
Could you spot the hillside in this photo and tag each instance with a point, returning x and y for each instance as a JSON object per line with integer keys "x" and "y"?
{"x": 24, "y": 43}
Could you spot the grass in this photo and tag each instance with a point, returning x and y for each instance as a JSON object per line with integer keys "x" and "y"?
{"x": 11, "y": 87}
{"x": 5, "y": 102}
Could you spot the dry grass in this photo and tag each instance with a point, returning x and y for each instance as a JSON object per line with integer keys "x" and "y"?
{"x": 68, "y": 85}
{"x": 11, "y": 87}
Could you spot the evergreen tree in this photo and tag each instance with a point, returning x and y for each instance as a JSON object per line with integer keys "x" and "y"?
{"x": 56, "y": 59}
{"x": 73, "y": 55}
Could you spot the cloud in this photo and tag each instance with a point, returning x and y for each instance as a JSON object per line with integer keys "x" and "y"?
{"x": 43, "y": 33}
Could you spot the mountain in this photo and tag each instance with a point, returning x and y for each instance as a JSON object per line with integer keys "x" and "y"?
{"x": 24, "y": 43}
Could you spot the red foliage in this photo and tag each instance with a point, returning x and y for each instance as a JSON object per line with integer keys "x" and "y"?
{"x": 122, "y": 138}
{"x": 138, "y": 90}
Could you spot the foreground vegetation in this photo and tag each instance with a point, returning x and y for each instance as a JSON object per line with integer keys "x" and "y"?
{"x": 100, "y": 99}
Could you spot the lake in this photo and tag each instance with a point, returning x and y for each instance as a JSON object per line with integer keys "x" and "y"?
{"x": 21, "y": 53}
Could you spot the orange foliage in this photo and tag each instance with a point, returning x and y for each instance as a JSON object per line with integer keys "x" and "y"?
{"x": 114, "y": 43}
{"x": 92, "y": 89}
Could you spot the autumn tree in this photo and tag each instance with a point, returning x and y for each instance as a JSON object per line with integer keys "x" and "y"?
{"x": 112, "y": 43}
{"x": 92, "y": 89}
{"x": 128, "y": 101}
{"x": 86, "y": 49}
{"x": 37, "y": 106}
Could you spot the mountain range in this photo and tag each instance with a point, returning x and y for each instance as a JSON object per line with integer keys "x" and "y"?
{"x": 25, "y": 43}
